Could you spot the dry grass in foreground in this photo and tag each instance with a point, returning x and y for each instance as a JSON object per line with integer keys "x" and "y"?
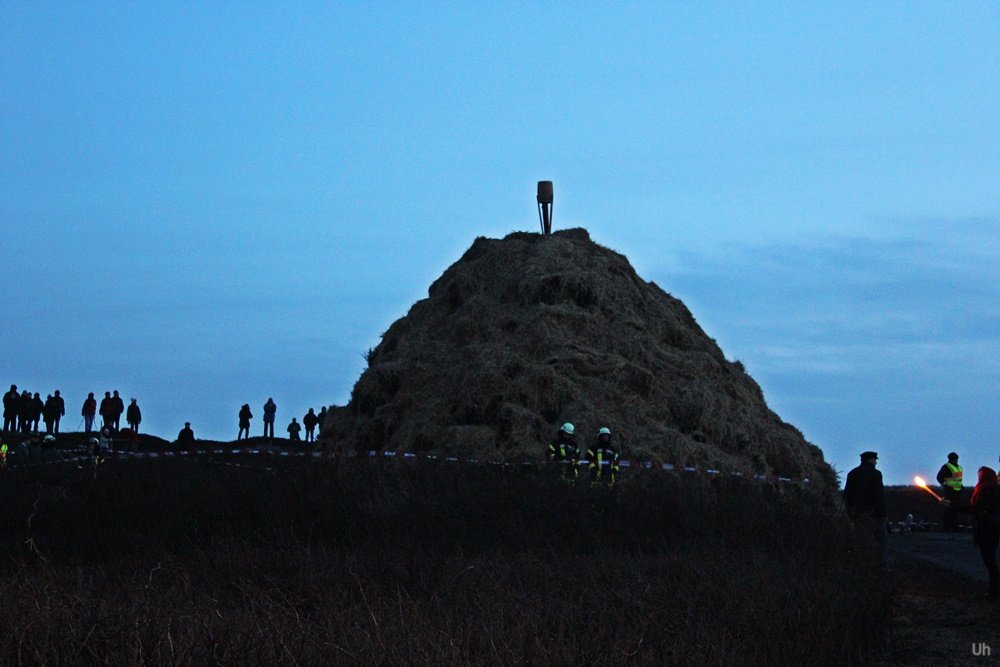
{"x": 175, "y": 562}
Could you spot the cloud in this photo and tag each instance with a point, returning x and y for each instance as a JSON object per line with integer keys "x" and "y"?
{"x": 928, "y": 294}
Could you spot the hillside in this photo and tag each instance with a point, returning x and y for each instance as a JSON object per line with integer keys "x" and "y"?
{"x": 526, "y": 332}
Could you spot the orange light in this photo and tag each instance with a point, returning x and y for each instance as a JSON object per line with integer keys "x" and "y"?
{"x": 919, "y": 481}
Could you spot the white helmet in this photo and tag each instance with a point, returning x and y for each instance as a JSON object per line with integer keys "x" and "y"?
{"x": 604, "y": 430}
{"x": 568, "y": 429}
{"x": 49, "y": 438}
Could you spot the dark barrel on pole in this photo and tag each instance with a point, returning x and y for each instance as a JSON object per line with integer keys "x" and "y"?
{"x": 545, "y": 199}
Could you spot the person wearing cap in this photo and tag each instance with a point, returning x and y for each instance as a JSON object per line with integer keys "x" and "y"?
{"x": 950, "y": 479}
{"x": 564, "y": 452}
{"x": 602, "y": 459}
{"x": 864, "y": 498}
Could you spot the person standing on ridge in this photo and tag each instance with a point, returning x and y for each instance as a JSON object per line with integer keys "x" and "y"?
{"x": 564, "y": 452}
{"x": 47, "y": 413}
{"x": 88, "y": 411}
{"x": 985, "y": 511}
{"x": 10, "y": 409}
{"x": 37, "y": 408}
{"x": 24, "y": 410}
{"x": 133, "y": 416}
{"x": 117, "y": 410}
{"x": 309, "y": 421}
{"x": 245, "y": 417}
{"x": 270, "y": 409}
{"x": 950, "y": 479}
{"x": 58, "y": 411}
{"x": 293, "y": 431}
{"x": 186, "y": 436}
{"x": 864, "y": 498}
{"x": 603, "y": 459}
{"x": 320, "y": 419}
{"x": 106, "y": 410}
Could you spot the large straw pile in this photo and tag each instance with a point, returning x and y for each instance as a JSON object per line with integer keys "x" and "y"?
{"x": 527, "y": 332}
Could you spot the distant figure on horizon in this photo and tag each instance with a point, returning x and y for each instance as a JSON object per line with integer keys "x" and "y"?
{"x": 47, "y": 413}
{"x": 10, "y": 409}
{"x": 245, "y": 417}
{"x": 133, "y": 416}
{"x": 55, "y": 408}
{"x": 293, "y": 431}
{"x": 117, "y": 410}
{"x": 309, "y": 421}
{"x": 88, "y": 411}
{"x": 106, "y": 410}
{"x": 186, "y": 435}
{"x": 270, "y": 409}
{"x": 864, "y": 497}
{"x": 37, "y": 408}
{"x": 950, "y": 479}
{"x": 24, "y": 409}
{"x": 319, "y": 421}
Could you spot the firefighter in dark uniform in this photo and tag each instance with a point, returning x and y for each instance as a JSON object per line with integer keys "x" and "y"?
{"x": 864, "y": 498}
{"x": 564, "y": 452}
{"x": 603, "y": 459}
{"x": 950, "y": 479}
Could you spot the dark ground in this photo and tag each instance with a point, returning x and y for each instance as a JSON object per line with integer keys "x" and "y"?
{"x": 937, "y": 614}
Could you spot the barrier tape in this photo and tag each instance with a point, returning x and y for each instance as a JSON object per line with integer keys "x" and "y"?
{"x": 373, "y": 454}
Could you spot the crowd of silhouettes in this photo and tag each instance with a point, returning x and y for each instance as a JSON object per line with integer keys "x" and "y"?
{"x": 311, "y": 423}
{"x": 23, "y": 412}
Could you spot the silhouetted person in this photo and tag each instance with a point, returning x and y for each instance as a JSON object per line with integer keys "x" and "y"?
{"x": 117, "y": 410}
{"x": 320, "y": 419}
{"x": 864, "y": 497}
{"x": 950, "y": 479}
{"x": 985, "y": 511}
{"x": 11, "y": 403}
{"x": 58, "y": 411}
{"x": 270, "y": 409}
{"x": 47, "y": 414}
{"x": 37, "y": 408}
{"x": 293, "y": 430}
{"x": 245, "y": 417}
{"x": 24, "y": 410}
{"x": 106, "y": 410}
{"x": 309, "y": 421}
{"x": 133, "y": 416}
{"x": 186, "y": 436}
{"x": 88, "y": 412}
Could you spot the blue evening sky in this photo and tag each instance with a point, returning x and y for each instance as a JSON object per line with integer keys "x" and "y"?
{"x": 206, "y": 204}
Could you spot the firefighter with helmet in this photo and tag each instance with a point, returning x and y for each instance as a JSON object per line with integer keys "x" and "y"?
{"x": 603, "y": 459}
{"x": 564, "y": 452}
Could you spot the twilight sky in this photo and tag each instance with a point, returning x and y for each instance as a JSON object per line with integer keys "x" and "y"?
{"x": 206, "y": 204}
